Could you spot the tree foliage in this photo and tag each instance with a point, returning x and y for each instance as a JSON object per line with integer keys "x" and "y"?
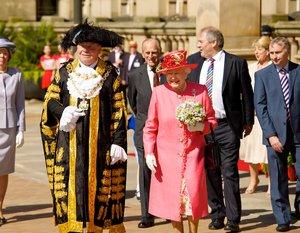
{"x": 30, "y": 41}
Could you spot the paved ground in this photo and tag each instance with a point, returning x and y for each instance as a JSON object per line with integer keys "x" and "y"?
{"x": 28, "y": 208}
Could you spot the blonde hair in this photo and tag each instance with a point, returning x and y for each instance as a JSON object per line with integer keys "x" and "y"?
{"x": 263, "y": 41}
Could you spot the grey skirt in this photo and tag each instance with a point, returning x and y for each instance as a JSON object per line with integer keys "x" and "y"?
{"x": 7, "y": 150}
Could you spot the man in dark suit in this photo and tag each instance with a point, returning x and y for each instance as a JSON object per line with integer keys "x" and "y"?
{"x": 232, "y": 98}
{"x": 131, "y": 60}
{"x": 116, "y": 57}
{"x": 277, "y": 101}
{"x": 141, "y": 82}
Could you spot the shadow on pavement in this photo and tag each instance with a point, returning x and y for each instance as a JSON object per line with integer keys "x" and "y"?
{"x": 26, "y": 208}
{"x": 28, "y": 217}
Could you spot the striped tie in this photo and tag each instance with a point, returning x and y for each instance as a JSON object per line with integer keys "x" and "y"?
{"x": 285, "y": 90}
{"x": 209, "y": 77}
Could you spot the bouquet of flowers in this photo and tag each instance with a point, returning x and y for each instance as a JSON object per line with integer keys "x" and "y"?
{"x": 190, "y": 112}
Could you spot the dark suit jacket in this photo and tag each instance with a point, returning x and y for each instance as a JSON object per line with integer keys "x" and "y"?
{"x": 138, "y": 61}
{"x": 112, "y": 56}
{"x": 139, "y": 95}
{"x": 237, "y": 90}
{"x": 270, "y": 105}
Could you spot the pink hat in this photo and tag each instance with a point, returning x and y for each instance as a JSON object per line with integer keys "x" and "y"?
{"x": 174, "y": 60}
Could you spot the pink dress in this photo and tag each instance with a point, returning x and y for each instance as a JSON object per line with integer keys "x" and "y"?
{"x": 179, "y": 153}
{"x": 49, "y": 63}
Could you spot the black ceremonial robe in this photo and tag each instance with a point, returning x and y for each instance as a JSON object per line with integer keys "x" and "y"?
{"x": 88, "y": 193}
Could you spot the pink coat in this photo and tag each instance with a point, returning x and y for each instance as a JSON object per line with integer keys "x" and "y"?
{"x": 179, "y": 153}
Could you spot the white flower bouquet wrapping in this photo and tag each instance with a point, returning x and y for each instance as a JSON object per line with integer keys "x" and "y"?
{"x": 192, "y": 114}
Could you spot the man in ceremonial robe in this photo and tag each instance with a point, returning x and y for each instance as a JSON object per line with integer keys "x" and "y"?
{"x": 83, "y": 129}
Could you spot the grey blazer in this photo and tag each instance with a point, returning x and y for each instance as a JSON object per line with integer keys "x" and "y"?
{"x": 12, "y": 100}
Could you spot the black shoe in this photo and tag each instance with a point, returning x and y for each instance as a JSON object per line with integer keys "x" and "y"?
{"x": 137, "y": 195}
{"x": 2, "y": 221}
{"x": 296, "y": 215}
{"x": 216, "y": 224}
{"x": 145, "y": 224}
{"x": 232, "y": 226}
{"x": 283, "y": 227}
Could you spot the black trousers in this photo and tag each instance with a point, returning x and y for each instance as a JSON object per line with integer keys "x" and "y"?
{"x": 229, "y": 144}
{"x": 144, "y": 182}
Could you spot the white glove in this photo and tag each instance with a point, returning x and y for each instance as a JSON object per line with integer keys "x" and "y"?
{"x": 19, "y": 139}
{"x": 151, "y": 162}
{"x": 117, "y": 153}
{"x": 69, "y": 118}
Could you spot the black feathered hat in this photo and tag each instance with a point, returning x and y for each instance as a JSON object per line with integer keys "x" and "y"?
{"x": 86, "y": 32}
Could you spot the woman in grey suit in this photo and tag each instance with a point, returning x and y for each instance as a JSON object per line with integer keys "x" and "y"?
{"x": 12, "y": 117}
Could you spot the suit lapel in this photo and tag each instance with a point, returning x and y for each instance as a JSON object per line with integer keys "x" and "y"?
{"x": 274, "y": 80}
{"x": 144, "y": 81}
{"x": 198, "y": 69}
{"x": 292, "y": 77}
{"x": 227, "y": 69}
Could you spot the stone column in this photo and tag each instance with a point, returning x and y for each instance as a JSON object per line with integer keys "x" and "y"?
{"x": 239, "y": 21}
{"x": 77, "y": 18}
{"x": 101, "y": 8}
{"x": 269, "y": 7}
{"x": 65, "y": 9}
{"x": 179, "y": 7}
{"x": 87, "y": 8}
{"x": 130, "y": 8}
{"x": 147, "y": 8}
{"x": 115, "y": 7}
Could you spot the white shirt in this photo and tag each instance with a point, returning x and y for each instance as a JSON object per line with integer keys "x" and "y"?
{"x": 117, "y": 55}
{"x": 131, "y": 59}
{"x": 90, "y": 66}
{"x": 218, "y": 74}
{"x": 286, "y": 70}
{"x": 150, "y": 75}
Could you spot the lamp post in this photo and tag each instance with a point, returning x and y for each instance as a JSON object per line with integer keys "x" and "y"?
{"x": 77, "y": 11}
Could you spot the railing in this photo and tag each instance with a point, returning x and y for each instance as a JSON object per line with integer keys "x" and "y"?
{"x": 175, "y": 35}
{"x": 172, "y": 35}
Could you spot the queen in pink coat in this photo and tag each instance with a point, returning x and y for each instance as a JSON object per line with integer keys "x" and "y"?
{"x": 173, "y": 153}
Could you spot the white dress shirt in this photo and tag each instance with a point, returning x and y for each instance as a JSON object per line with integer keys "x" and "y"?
{"x": 150, "y": 75}
{"x": 131, "y": 59}
{"x": 218, "y": 74}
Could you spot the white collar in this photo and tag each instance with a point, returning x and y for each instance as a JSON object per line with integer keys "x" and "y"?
{"x": 90, "y": 66}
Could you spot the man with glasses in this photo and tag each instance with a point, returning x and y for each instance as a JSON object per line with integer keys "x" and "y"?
{"x": 141, "y": 82}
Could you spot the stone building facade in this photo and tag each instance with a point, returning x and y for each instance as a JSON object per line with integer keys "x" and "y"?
{"x": 173, "y": 22}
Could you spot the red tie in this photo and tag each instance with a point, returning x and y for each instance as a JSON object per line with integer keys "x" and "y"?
{"x": 155, "y": 78}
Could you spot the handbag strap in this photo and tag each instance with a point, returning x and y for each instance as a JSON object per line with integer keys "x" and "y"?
{"x": 212, "y": 133}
